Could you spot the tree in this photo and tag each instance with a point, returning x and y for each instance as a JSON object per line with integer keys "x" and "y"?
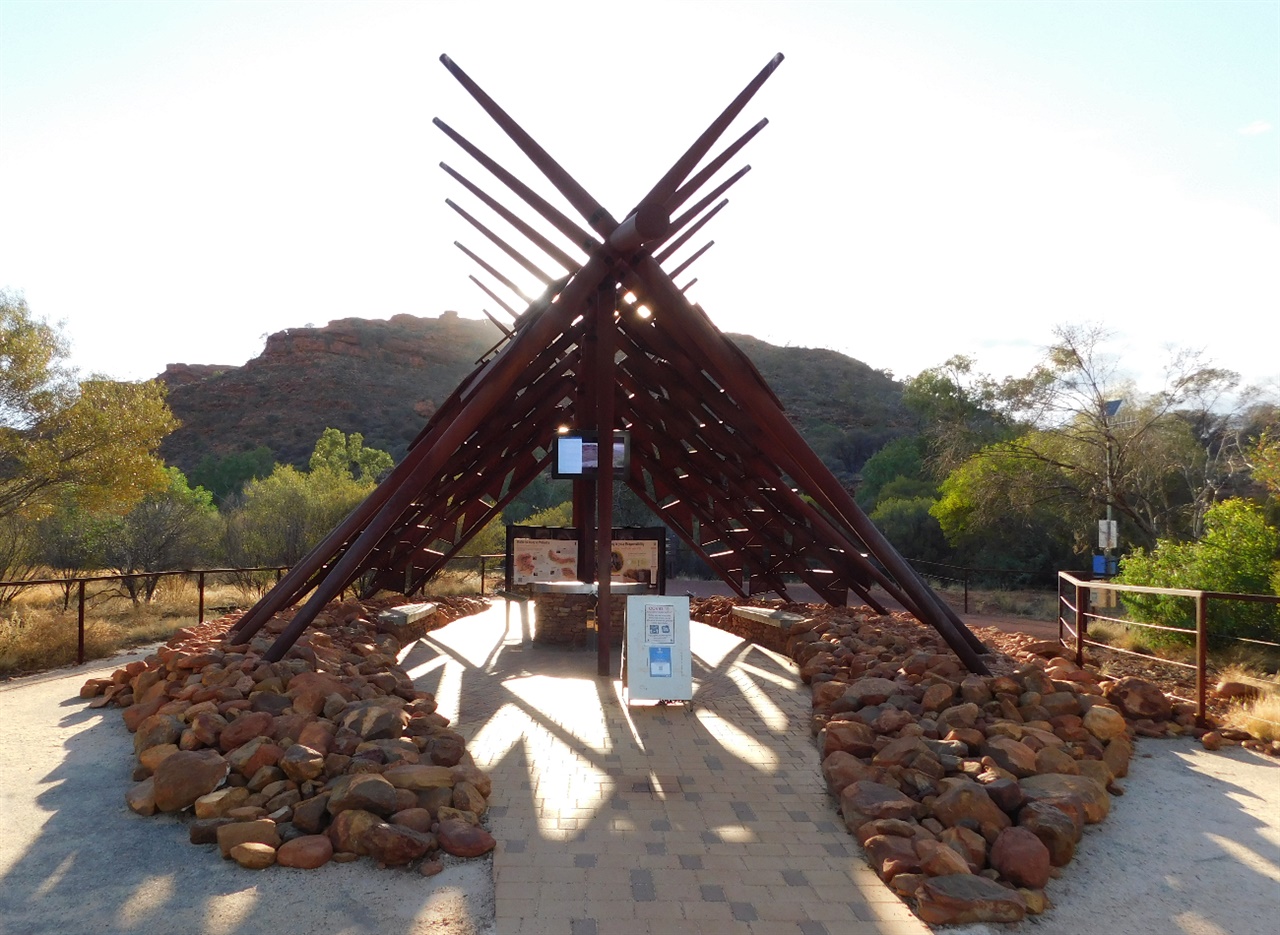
{"x": 225, "y": 477}
{"x": 999, "y": 510}
{"x": 280, "y": 518}
{"x": 913, "y": 530}
{"x": 95, "y": 439}
{"x": 69, "y": 541}
{"x": 167, "y": 530}
{"x": 1236, "y": 554}
{"x": 1143, "y": 458}
{"x": 960, "y": 411}
{"x": 901, "y": 458}
{"x": 347, "y": 455}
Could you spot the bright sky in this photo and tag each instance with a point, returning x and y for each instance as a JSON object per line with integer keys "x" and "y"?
{"x": 178, "y": 179}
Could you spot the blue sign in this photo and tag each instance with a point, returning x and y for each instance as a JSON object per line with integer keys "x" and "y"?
{"x": 660, "y": 662}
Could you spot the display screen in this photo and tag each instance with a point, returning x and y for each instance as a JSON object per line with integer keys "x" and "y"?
{"x": 577, "y": 454}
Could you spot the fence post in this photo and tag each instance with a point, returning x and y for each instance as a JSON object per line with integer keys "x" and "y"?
{"x": 1202, "y": 641}
{"x": 966, "y": 588}
{"x": 200, "y": 585}
{"x": 80, "y": 625}
{"x": 482, "y": 576}
{"x": 1082, "y": 616}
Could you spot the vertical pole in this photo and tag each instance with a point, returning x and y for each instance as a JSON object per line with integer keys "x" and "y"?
{"x": 584, "y": 488}
{"x": 604, "y": 373}
{"x": 1082, "y": 612}
{"x": 200, "y": 587}
{"x": 80, "y": 624}
{"x": 482, "y": 576}
{"x": 1202, "y": 642}
{"x": 966, "y": 589}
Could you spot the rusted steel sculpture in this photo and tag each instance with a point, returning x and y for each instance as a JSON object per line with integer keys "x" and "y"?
{"x": 612, "y": 343}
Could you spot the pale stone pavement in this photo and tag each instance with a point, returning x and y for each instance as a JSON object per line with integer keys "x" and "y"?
{"x": 710, "y": 817}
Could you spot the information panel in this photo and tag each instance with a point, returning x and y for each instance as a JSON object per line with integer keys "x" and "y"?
{"x": 659, "y": 665}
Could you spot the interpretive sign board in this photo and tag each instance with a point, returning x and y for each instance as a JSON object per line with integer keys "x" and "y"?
{"x": 550, "y": 553}
{"x": 658, "y": 665}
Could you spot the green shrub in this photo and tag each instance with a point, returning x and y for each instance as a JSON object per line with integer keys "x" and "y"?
{"x": 1236, "y": 554}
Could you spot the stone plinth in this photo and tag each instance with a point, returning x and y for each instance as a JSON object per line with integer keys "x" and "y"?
{"x": 561, "y": 610}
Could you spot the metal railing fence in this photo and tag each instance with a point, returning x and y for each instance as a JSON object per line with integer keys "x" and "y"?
{"x": 1075, "y": 615}
{"x": 79, "y": 582}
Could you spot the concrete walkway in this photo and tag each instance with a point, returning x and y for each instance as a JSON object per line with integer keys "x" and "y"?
{"x": 708, "y": 817}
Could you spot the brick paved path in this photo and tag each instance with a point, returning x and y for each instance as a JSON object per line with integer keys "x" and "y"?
{"x": 710, "y": 817}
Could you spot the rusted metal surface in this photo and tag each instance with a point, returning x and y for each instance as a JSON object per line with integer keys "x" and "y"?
{"x": 713, "y": 452}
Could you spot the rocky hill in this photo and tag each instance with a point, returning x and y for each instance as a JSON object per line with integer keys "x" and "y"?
{"x": 380, "y": 378}
{"x": 385, "y": 378}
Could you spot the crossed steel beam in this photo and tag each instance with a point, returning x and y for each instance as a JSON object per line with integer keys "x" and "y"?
{"x": 714, "y": 448}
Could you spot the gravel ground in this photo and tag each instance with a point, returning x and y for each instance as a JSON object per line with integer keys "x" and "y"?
{"x": 73, "y": 858}
{"x": 1192, "y": 849}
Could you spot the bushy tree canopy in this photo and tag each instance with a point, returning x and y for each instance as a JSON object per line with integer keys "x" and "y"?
{"x": 94, "y": 440}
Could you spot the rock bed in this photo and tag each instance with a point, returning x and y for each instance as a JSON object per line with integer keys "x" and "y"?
{"x": 329, "y": 754}
{"x": 966, "y": 792}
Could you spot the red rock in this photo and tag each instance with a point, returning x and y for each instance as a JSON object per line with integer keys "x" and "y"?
{"x": 251, "y": 756}
{"x": 939, "y": 860}
{"x": 890, "y": 855}
{"x": 463, "y": 840}
{"x": 1104, "y": 723}
{"x": 253, "y": 855}
{"x": 967, "y": 897}
{"x": 1011, "y": 755}
{"x": 348, "y": 828}
{"x": 1137, "y": 698}
{"x": 141, "y": 797}
{"x": 207, "y": 726}
{"x": 395, "y": 844}
{"x": 1021, "y": 857}
{"x": 871, "y": 691}
{"x": 419, "y": 776}
{"x": 852, "y": 737}
{"x": 1055, "y": 760}
{"x": 244, "y": 728}
{"x": 219, "y": 802}
{"x": 261, "y": 831}
{"x": 419, "y": 819}
{"x": 1057, "y": 829}
{"x": 474, "y": 775}
{"x": 1089, "y": 792}
{"x": 1117, "y": 755}
{"x": 937, "y": 697}
{"x": 136, "y": 714}
{"x": 312, "y": 815}
{"x": 308, "y": 691}
{"x": 157, "y": 730}
{"x": 468, "y": 798}
{"x": 968, "y": 844}
{"x": 152, "y": 757}
{"x": 865, "y": 801}
{"x": 185, "y": 776}
{"x": 969, "y": 802}
{"x": 305, "y": 853}
{"x": 374, "y": 720}
{"x": 301, "y": 763}
{"x": 318, "y": 735}
{"x": 365, "y": 791}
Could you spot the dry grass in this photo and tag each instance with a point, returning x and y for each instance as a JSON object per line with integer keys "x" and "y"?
{"x": 1034, "y": 605}
{"x": 1260, "y": 717}
{"x": 36, "y": 633}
